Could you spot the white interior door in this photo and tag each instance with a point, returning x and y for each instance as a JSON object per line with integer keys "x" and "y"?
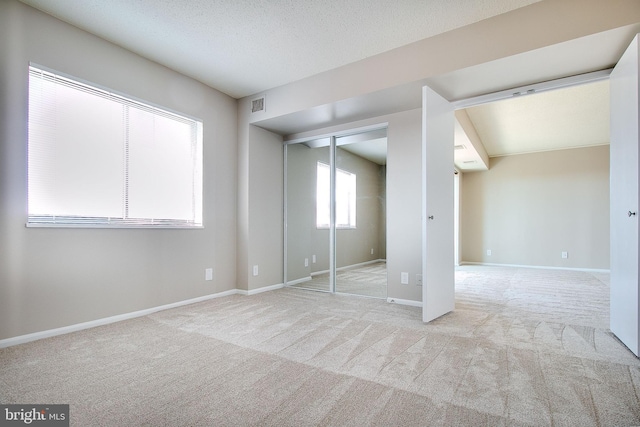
{"x": 438, "y": 289}
{"x": 625, "y": 300}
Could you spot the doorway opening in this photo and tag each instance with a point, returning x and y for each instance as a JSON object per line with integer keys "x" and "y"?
{"x": 543, "y": 201}
{"x": 438, "y": 122}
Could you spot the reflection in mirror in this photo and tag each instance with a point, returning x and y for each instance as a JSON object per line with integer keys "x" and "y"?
{"x": 307, "y": 233}
{"x": 361, "y": 214}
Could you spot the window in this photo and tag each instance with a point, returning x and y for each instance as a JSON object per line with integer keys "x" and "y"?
{"x": 345, "y": 197}
{"x": 97, "y": 158}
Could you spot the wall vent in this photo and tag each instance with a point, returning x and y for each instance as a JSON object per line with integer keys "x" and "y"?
{"x": 257, "y": 105}
{"x": 459, "y": 147}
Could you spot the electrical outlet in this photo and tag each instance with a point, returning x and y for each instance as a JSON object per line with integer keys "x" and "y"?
{"x": 404, "y": 278}
{"x": 306, "y": 262}
{"x": 488, "y": 252}
{"x": 419, "y": 279}
{"x": 313, "y": 259}
{"x": 565, "y": 255}
{"x": 371, "y": 251}
{"x": 208, "y": 274}
{"x": 255, "y": 270}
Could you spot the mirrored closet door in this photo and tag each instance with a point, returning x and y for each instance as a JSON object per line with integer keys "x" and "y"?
{"x": 355, "y": 236}
{"x": 360, "y": 192}
{"x": 307, "y": 215}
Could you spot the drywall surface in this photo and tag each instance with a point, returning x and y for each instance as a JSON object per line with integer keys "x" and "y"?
{"x": 55, "y": 277}
{"x": 528, "y": 209}
{"x": 265, "y": 201}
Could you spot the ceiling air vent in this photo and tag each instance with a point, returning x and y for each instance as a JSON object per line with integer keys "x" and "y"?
{"x": 459, "y": 147}
{"x": 257, "y": 105}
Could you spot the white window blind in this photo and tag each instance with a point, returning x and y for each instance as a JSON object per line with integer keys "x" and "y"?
{"x": 97, "y": 158}
{"x": 345, "y": 197}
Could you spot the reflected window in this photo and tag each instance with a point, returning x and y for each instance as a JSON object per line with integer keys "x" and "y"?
{"x": 345, "y": 197}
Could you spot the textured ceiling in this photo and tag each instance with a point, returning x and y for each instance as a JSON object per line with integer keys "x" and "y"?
{"x": 242, "y": 47}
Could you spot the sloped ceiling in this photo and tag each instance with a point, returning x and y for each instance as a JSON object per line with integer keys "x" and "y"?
{"x": 374, "y": 150}
{"x": 568, "y": 118}
{"x": 572, "y": 117}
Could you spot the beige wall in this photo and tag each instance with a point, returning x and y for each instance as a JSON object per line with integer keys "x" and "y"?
{"x": 55, "y": 277}
{"x": 353, "y": 246}
{"x": 301, "y": 214}
{"x": 528, "y": 209}
{"x": 264, "y": 210}
{"x": 404, "y": 206}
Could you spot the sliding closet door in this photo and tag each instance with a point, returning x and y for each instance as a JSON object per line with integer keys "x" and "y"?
{"x": 360, "y": 221}
{"x": 307, "y": 215}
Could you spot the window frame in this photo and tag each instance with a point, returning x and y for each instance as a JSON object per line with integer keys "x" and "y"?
{"x": 351, "y": 202}
{"x": 124, "y": 221}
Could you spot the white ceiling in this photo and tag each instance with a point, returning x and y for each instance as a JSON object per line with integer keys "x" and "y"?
{"x": 242, "y": 47}
{"x": 577, "y": 116}
{"x": 465, "y": 156}
{"x": 371, "y": 145}
{"x": 374, "y": 150}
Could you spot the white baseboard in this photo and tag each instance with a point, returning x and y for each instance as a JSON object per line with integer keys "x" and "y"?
{"x": 404, "y": 302}
{"x": 298, "y": 281}
{"x": 260, "y": 290}
{"x": 540, "y": 267}
{"x": 8, "y": 342}
{"x": 360, "y": 264}
{"x": 107, "y": 320}
{"x": 316, "y": 273}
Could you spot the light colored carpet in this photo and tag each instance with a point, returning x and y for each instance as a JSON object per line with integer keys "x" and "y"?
{"x": 368, "y": 280}
{"x": 524, "y": 347}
